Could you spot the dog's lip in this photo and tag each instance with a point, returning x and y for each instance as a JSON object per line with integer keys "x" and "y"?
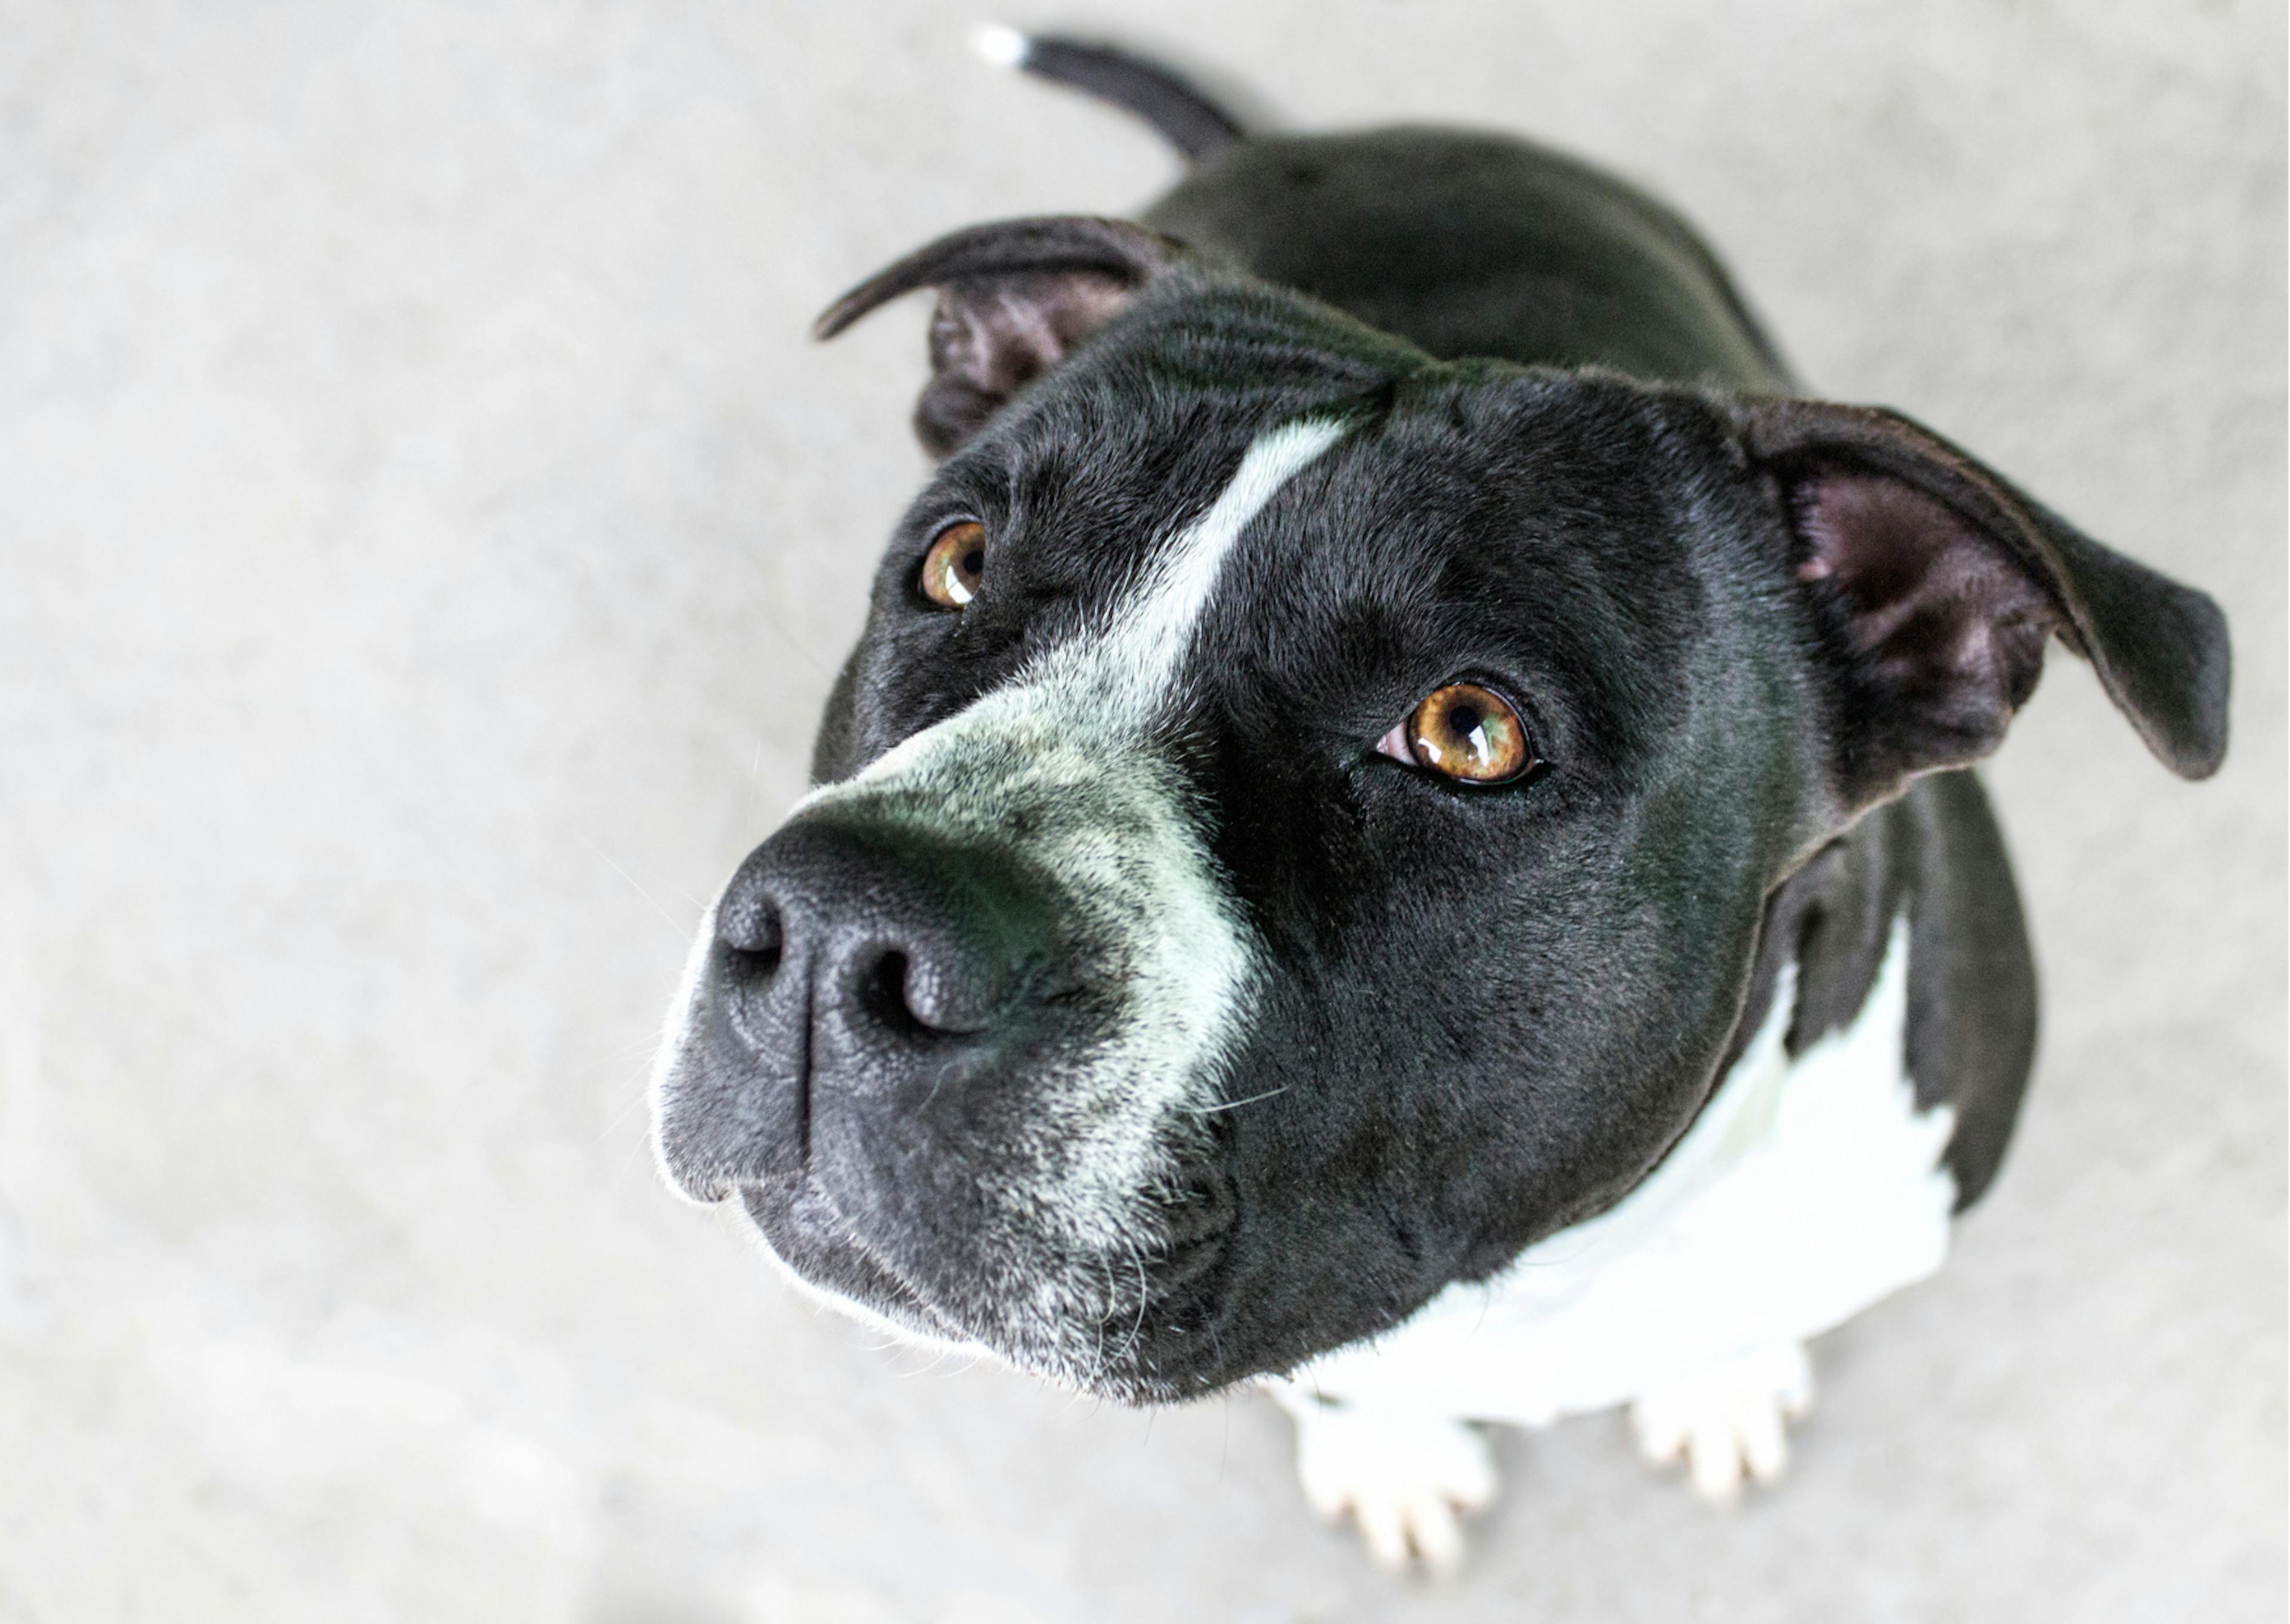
{"x": 1173, "y": 1268}
{"x": 1201, "y": 1222}
{"x": 763, "y": 1206}
{"x": 1179, "y": 1268}
{"x": 1172, "y": 1262}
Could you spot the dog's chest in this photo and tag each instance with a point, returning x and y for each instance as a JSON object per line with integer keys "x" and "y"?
{"x": 1806, "y": 1190}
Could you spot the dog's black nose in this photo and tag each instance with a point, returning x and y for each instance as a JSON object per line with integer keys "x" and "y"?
{"x": 862, "y": 973}
{"x": 898, "y": 940}
{"x": 855, "y": 956}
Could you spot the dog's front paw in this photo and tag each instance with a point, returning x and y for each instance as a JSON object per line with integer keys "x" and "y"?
{"x": 1407, "y": 1478}
{"x": 1730, "y": 1421}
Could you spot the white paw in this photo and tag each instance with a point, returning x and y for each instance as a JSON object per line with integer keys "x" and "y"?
{"x": 1407, "y": 1478}
{"x": 1728, "y": 1421}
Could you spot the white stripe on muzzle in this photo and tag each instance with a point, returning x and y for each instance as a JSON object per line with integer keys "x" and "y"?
{"x": 1063, "y": 752}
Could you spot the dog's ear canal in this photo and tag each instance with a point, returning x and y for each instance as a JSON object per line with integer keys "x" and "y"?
{"x": 1938, "y": 585}
{"x": 1014, "y": 297}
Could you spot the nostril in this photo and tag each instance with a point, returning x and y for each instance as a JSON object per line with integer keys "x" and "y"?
{"x": 754, "y": 936}
{"x": 876, "y": 933}
{"x": 918, "y": 997}
{"x": 882, "y": 989}
{"x": 896, "y": 1002}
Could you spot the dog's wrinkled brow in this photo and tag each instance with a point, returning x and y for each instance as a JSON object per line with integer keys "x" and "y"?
{"x": 1122, "y": 673}
{"x": 1137, "y": 656}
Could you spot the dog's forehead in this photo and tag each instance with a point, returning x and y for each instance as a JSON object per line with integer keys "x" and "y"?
{"x": 1330, "y": 535}
{"x": 1436, "y": 469}
{"x": 1119, "y": 666}
{"x": 1470, "y": 528}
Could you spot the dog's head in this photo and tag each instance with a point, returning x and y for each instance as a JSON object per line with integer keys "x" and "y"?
{"x": 1295, "y": 829}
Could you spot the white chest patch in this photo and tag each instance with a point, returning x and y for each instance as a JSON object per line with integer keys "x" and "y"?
{"x": 1804, "y": 1192}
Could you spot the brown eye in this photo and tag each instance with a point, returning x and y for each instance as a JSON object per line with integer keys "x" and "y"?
{"x": 1464, "y": 732}
{"x": 953, "y": 565}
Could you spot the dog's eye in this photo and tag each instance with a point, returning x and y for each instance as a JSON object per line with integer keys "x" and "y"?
{"x": 955, "y": 562}
{"x": 1463, "y": 731}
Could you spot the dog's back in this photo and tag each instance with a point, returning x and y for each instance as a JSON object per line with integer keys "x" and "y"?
{"x": 1471, "y": 244}
{"x": 1464, "y": 243}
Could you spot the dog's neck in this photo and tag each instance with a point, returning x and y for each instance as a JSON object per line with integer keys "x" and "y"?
{"x": 1810, "y": 1187}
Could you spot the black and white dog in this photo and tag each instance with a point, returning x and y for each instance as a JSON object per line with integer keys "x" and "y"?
{"x": 1398, "y": 827}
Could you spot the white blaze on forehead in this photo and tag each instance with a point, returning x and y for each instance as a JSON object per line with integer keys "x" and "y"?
{"x": 1140, "y": 654}
{"x": 1118, "y": 679}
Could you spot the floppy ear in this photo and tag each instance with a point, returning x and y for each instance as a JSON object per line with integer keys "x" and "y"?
{"x": 1939, "y": 585}
{"x": 1013, "y": 297}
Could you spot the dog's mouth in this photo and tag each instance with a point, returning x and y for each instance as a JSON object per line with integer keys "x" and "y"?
{"x": 1196, "y": 1228}
{"x": 978, "y": 1210}
{"x": 1130, "y": 1324}
{"x": 811, "y": 1241}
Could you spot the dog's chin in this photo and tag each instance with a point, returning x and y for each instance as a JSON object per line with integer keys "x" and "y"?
{"x": 809, "y": 1239}
{"x": 1162, "y": 1350}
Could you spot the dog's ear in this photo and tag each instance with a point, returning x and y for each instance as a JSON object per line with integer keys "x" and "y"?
{"x": 1939, "y": 584}
{"x": 1014, "y": 297}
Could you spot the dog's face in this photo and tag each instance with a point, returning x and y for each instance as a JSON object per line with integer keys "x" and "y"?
{"x": 1295, "y": 829}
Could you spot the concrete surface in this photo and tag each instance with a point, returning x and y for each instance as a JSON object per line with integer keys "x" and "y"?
{"x": 424, "y": 536}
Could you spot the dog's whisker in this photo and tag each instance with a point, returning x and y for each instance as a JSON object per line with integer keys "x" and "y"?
{"x": 1233, "y": 1105}
{"x": 755, "y": 783}
{"x": 682, "y": 929}
{"x": 620, "y": 1117}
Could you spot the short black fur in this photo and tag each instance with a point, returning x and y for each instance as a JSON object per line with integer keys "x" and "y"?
{"x": 1756, "y": 639}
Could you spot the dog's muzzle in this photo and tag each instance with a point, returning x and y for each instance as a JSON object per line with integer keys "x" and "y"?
{"x": 921, "y": 1065}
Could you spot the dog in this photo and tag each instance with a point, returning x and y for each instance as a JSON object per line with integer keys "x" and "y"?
{"x": 1399, "y": 829}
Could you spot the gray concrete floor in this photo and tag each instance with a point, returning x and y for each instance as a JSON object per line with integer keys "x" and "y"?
{"x": 425, "y": 537}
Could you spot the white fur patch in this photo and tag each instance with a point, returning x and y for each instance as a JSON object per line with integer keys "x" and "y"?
{"x": 1111, "y": 686}
{"x": 1802, "y": 1194}
{"x": 1062, "y": 750}
{"x": 1132, "y": 666}
{"x": 1406, "y": 1477}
